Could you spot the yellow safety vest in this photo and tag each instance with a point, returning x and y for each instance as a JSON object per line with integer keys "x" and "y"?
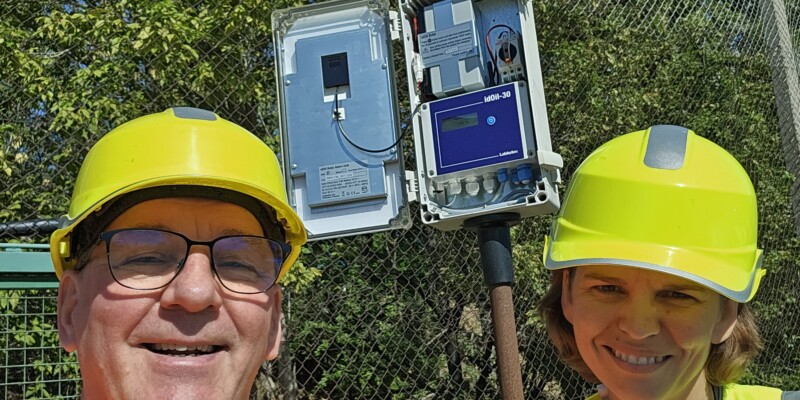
{"x": 738, "y": 392}
{"x": 745, "y": 392}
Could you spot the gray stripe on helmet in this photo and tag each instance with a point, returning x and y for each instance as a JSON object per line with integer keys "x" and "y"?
{"x": 737, "y": 296}
{"x": 790, "y": 395}
{"x": 194, "y": 113}
{"x": 666, "y": 147}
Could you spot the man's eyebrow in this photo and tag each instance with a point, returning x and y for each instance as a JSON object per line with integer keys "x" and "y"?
{"x": 224, "y": 232}
{"x": 231, "y": 232}
{"x": 150, "y": 226}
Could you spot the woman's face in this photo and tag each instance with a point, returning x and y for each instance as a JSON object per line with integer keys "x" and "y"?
{"x": 645, "y": 334}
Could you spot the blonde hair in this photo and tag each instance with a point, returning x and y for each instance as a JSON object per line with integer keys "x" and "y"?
{"x": 726, "y": 361}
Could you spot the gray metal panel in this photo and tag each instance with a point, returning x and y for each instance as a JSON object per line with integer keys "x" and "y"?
{"x": 369, "y": 117}
{"x": 463, "y": 70}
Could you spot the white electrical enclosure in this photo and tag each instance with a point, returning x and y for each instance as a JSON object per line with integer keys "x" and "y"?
{"x": 338, "y": 117}
{"x": 481, "y": 135}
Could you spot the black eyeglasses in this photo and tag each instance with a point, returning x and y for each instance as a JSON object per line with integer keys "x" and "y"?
{"x": 147, "y": 259}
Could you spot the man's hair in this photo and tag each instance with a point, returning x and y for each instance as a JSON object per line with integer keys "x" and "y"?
{"x": 726, "y": 361}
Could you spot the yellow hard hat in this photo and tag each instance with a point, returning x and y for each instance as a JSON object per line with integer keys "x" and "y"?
{"x": 667, "y": 200}
{"x": 180, "y": 147}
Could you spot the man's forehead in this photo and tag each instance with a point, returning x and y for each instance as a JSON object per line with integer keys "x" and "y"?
{"x": 169, "y": 213}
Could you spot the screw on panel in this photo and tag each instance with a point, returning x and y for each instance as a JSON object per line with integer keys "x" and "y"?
{"x": 430, "y": 173}
{"x": 288, "y": 82}
{"x": 294, "y": 166}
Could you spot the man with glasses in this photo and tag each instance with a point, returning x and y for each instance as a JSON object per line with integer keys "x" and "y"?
{"x": 177, "y": 232}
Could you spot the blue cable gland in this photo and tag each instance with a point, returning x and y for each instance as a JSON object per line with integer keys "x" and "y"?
{"x": 514, "y": 176}
{"x": 524, "y": 173}
{"x": 502, "y": 175}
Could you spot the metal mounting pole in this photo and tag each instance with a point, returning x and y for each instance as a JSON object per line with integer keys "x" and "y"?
{"x": 494, "y": 239}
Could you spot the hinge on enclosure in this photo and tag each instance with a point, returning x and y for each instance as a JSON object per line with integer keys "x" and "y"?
{"x": 412, "y": 187}
{"x": 395, "y": 25}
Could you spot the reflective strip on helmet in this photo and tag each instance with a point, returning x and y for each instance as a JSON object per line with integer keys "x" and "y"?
{"x": 194, "y": 113}
{"x": 741, "y": 296}
{"x": 666, "y": 147}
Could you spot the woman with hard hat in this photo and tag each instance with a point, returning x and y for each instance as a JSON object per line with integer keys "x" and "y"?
{"x": 178, "y": 229}
{"x": 653, "y": 258}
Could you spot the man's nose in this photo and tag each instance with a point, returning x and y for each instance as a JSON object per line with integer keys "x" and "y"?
{"x": 195, "y": 288}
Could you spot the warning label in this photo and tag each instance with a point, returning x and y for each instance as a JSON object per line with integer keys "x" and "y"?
{"x": 455, "y": 42}
{"x": 340, "y": 181}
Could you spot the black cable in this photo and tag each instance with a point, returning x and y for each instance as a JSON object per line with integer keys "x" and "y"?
{"x": 26, "y": 228}
{"x": 526, "y": 192}
{"x": 336, "y": 115}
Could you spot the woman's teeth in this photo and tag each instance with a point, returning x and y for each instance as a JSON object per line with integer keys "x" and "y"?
{"x": 639, "y": 360}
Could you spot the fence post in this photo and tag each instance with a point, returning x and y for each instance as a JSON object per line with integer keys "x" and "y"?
{"x": 787, "y": 91}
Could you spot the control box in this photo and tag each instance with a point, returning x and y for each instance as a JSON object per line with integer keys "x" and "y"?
{"x": 477, "y": 111}
{"x": 339, "y": 117}
{"x": 481, "y": 136}
{"x": 477, "y": 132}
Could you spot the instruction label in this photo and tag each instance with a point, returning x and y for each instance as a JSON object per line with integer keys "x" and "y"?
{"x": 340, "y": 181}
{"x": 458, "y": 41}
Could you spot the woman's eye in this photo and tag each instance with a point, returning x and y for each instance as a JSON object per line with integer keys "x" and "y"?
{"x": 678, "y": 295}
{"x": 607, "y": 288}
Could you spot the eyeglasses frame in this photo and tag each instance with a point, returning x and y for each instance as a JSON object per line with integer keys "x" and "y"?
{"x": 107, "y": 235}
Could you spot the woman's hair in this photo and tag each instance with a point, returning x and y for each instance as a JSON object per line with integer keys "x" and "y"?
{"x": 726, "y": 362}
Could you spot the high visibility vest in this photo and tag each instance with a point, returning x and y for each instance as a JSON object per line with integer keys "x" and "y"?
{"x": 746, "y": 392}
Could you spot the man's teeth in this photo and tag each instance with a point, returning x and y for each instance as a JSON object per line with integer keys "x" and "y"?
{"x": 177, "y": 348}
{"x": 639, "y": 360}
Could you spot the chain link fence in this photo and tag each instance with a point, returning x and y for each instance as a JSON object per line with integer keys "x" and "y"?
{"x": 400, "y": 314}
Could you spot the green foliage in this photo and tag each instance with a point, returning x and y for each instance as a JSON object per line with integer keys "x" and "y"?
{"x": 620, "y": 69}
{"x": 400, "y": 314}
{"x": 30, "y": 339}
{"x": 373, "y": 288}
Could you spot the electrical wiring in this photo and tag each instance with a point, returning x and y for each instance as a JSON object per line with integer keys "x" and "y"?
{"x": 337, "y": 114}
{"x": 520, "y": 192}
{"x": 495, "y": 74}
{"x": 513, "y": 195}
{"x": 447, "y": 207}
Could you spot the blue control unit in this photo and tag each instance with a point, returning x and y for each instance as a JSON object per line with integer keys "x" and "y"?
{"x": 478, "y": 129}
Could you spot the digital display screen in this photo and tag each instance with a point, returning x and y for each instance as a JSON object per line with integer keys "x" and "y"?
{"x": 458, "y": 122}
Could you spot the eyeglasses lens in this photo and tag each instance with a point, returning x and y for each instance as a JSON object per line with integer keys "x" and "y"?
{"x": 247, "y": 264}
{"x": 145, "y": 259}
{"x": 149, "y": 259}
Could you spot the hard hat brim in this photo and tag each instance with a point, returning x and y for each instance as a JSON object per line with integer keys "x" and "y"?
{"x": 287, "y": 217}
{"x": 707, "y": 271}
